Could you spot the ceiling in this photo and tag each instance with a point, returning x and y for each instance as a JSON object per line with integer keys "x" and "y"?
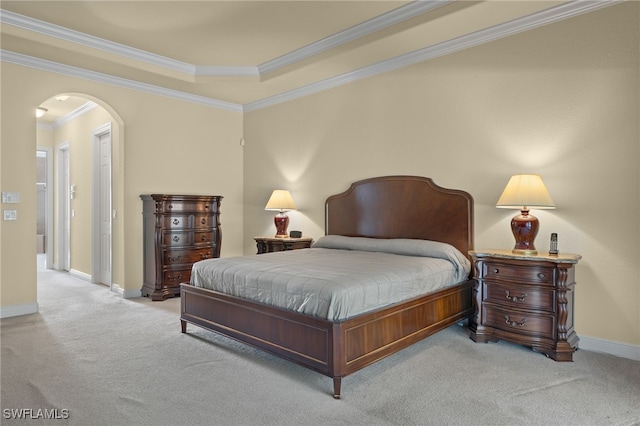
{"x": 242, "y": 55}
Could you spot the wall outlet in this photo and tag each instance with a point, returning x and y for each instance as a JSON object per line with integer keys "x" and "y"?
{"x": 10, "y": 215}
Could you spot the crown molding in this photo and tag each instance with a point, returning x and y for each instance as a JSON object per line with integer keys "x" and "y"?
{"x": 378, "y": 23}
{"x": 45, "y": 65}
{"x": 62, "y": 33}
{"x": 392, "y": 17}
{"x": 558, "y": 13}
{"x": 82, "y": 109}
{"x": 538, "y": 19}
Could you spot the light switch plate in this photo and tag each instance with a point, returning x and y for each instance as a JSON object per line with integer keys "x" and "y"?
{"x": 11, "y": 197}
{"x": 10, "y": 215}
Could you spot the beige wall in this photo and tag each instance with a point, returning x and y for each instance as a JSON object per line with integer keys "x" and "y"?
{"x": 561, "y": 101}
{"x": 159, "y": 138}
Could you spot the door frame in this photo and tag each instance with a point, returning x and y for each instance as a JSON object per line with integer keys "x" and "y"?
{"x": 96, "y": 197}
{"x": 49, "y": 206}
{"x": 63, "y": 211}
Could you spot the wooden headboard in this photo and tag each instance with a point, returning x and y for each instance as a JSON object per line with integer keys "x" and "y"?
{"x": 402, "y": 207}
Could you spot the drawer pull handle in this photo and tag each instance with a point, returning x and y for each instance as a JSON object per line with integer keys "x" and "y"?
{"x": 174, "y": 278}
{"x": 174, "y": 259}
{"x": 204, "y": 255}
{"x": 170, "y": 206}
{"x": 515, "y": 323}
{"x": 203, "y": 238}
{"x": 541, "y": 276}
{"x": 515, "y": 298}
{"x": 203, "y": 221}
{"x": 176, "y": 238}
{"x": 206, "y": 206}
{"x": 495, "y": 270}
{"x": 176, "y": 222}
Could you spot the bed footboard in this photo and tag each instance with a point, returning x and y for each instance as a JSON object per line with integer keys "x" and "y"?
{"x": 335, "y": 349}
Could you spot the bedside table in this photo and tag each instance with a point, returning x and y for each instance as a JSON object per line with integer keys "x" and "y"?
{"x": 526, "y": 300}
{"x": 271, "y": 244}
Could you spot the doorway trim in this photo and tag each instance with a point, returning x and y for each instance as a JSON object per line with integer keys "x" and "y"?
{"x": 101, "y": 192}
{"x": 49, "y": 208}
{"x": 63, "y": 209}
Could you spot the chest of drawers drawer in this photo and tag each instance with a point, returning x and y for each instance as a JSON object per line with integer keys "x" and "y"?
{"x": 187, "y": 237}
{"x": 176, "y": 256}
{"x": 176, "y": 276}
{"x": 178, "y": 206}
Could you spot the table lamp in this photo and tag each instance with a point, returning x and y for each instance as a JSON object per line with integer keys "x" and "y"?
{"x": 281, "y": 201}
{"x": 525, "y": 192}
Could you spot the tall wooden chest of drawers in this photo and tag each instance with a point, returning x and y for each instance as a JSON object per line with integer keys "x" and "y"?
{"x": 179, "y": 230}
{"x": 526, "y": 300}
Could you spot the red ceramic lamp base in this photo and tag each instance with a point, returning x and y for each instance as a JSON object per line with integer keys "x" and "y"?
{"x": 525, "y": 228}
{"x": 281, "y": 221}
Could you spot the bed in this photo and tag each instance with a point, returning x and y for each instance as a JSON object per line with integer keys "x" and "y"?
{"x": 397, "y": 211}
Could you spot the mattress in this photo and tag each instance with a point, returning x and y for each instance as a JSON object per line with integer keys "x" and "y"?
{"x": 338, "y": 277}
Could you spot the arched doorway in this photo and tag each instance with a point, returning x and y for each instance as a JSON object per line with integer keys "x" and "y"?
{"x": 84, "y": 135}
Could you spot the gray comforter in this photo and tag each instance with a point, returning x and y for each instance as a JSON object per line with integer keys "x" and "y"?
{"x": 339, "y": 277}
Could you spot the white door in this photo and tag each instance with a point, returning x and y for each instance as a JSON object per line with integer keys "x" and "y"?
{"x": 64, "y": 203}
{"x": 102, "y": 204}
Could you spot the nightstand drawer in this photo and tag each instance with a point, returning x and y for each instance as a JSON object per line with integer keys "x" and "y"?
{"x": 504, "y": 271}
{"x": 519, "y": 322}
{"x": 520, "y": 296}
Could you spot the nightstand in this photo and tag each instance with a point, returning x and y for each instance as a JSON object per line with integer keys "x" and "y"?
{"x": 271, "y": 244}
{"x": 526, "y": 300}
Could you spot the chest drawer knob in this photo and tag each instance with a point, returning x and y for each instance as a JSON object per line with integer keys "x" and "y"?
{"x": 515, "y": 323}
{"x": 541, "y": 276}
{"x": 203, "y": 221}
{"x": 495, "y": 270}
{"x": 515, "y": 298}
{"x": 176, "y": 238}
{"x": 176, "y": 222}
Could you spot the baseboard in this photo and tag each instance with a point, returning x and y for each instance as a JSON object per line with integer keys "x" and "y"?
{"x": 623, "y": 350}
{"x": 17, "y": 310}
{"x": 81, "y": 275}
{"x": 125, "y": 294}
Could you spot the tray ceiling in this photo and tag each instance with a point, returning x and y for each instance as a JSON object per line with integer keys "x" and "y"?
{"x": 243, "y": 55}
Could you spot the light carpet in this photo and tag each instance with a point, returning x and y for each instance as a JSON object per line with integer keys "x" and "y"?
{"x": 94, "y": 358}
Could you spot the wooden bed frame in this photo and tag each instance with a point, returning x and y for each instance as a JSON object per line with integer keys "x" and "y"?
{"x": 384, "y": 207}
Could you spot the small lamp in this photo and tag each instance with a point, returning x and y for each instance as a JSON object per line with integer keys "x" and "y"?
{"x": 525, "y": 192}
{"x": 281, "y": 200}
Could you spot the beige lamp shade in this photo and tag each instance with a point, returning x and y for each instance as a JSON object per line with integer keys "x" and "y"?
{"x": 280, "y": 200}
{"x": 526, "y": 191}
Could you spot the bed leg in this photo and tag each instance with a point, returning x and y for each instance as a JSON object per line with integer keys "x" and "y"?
{"x": 183, "y": 325}
{"x": 336, "y": 387}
